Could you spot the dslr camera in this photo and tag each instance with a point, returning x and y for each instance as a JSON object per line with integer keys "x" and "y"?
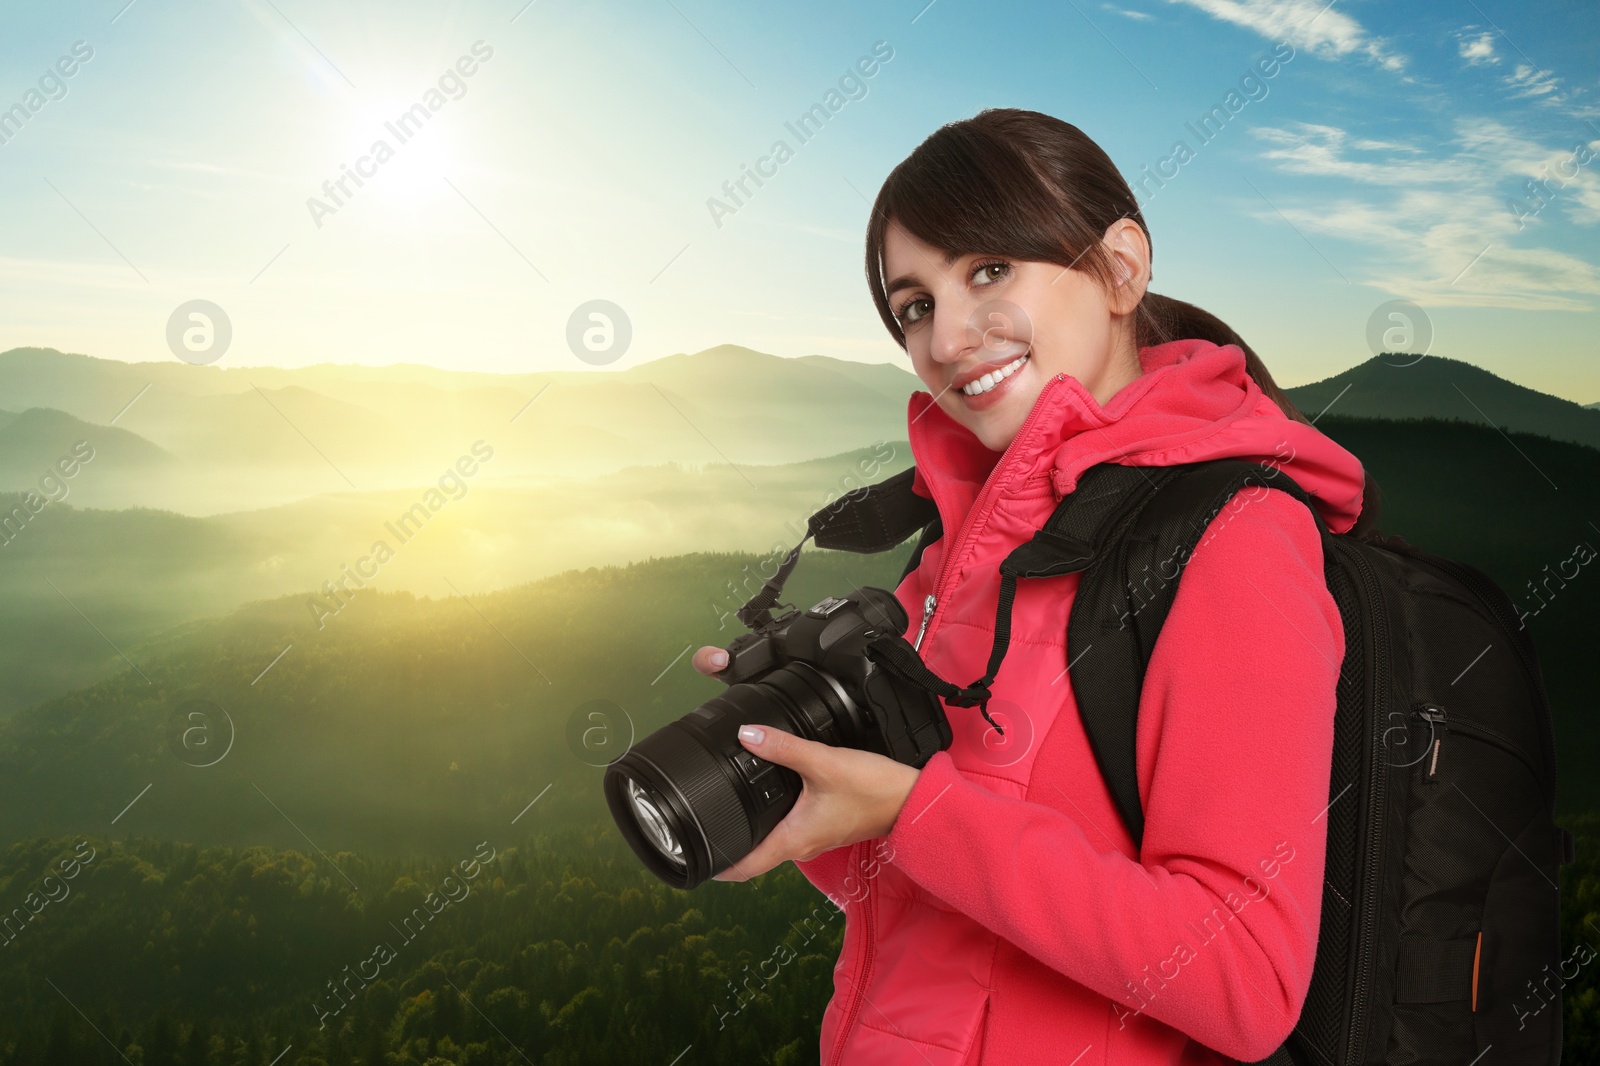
{"x": 691, "y": 801}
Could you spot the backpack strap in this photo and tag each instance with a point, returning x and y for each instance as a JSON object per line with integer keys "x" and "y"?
{"x": 1072, "y": 538}
{"x": 1123, "y": 599}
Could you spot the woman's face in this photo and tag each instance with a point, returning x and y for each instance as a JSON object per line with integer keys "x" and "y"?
{"x": 973, "y": 315}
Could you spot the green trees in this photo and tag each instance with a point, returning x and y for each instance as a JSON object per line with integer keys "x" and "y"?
{"x": 190, "y": 956}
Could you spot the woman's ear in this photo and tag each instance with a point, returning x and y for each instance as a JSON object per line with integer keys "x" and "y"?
{"x": 1130, "y": 262}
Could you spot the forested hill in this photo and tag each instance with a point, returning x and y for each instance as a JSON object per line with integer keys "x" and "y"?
{"x": 405, "y": 726}
{"x": 559, "y": 950}
{"x": 397, "y": 723}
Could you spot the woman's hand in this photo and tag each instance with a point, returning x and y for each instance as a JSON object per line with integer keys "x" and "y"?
{"x": 846, "y": 795}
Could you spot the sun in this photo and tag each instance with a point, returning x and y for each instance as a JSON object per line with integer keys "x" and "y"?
{"x": 400, "y": 152}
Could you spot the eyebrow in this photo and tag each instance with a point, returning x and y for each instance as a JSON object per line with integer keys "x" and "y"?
{"x": 907, "y": 281}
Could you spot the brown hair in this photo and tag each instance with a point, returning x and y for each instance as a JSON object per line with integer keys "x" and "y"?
{"x": 1026, "y": 185}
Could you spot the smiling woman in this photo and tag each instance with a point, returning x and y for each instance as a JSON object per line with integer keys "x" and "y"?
{"x": 1009, "y": 258}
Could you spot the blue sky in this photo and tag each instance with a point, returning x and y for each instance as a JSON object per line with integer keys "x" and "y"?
{"x": 577, "y": 160}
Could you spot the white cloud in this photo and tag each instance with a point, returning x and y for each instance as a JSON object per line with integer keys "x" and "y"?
{"x": 1441, "y": 214}
{"x": 1325, "y": 151}
{"x": 1527, "y": 83}
{"x": 1307, "y": 24}
{"x": 1139, "y": 16}
{"x": 1478, "y": 50}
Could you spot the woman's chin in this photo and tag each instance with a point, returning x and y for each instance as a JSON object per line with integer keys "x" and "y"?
{"x": 997, "y": 424}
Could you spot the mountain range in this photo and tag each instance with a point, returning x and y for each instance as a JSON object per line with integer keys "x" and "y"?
{"x": 206, "y": 440}
{"x": 217, "y": 488}
{"x": 244, "y": 438}
{"x": 1389, "y": 386}
{"x": 406, "y": 721}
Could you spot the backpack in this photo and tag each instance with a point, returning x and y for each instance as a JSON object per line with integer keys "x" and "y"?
{"x": 1440, "y": 921}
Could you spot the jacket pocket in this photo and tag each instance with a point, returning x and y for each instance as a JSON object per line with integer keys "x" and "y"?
{"x": 975, "y": 1041}
{"x": 881, "y": 1041}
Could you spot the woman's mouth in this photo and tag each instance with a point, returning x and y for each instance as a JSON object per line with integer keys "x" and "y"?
{"x": 988, "y": 389}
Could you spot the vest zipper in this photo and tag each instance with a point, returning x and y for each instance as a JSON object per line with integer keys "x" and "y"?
{"x": 928, "y": 603}
{"x": 946, "y": 564}
{"x": 868, "y": 905}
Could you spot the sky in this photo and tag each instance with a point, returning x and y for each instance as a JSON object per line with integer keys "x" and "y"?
{"x": 186, "y": 155}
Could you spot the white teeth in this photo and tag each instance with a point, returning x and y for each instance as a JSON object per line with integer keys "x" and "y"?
{"x": 994, "y": 377}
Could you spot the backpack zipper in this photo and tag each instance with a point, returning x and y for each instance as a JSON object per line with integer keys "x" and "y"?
{"x": 1495, "y": 600}
{"x": 1431, "y": 712}
{"x": 1433, "y": 715}
{"x": 1377, "y": 792}
{"x": 868, "y": 905}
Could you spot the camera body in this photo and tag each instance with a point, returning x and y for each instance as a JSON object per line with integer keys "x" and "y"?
{"x": 904, "y": 722}
{"x": 691, "y": 800}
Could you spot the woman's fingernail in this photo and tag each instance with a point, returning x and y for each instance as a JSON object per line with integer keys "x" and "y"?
{"x": 719, "y": 659}
{"x": 753, "y": 733}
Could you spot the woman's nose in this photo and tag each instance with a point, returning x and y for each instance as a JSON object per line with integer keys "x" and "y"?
{"x": 953, "y": 334}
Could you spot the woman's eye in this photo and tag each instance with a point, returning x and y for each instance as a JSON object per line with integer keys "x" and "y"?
{"x": 906, "y": 315}
{"x": 983, "y": 270}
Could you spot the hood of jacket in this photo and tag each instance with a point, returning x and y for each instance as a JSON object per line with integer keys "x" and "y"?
{"x": 1194, "y": 401}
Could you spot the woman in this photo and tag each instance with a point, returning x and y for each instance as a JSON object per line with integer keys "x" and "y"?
{"x": 996, "y": 909}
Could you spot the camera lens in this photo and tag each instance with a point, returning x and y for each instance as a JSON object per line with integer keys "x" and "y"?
{"x": 691, "y": 801}
{"x": 654, "y": 823}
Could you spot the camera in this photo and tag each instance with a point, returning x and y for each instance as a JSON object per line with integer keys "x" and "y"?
{"x": 691, "y": 801}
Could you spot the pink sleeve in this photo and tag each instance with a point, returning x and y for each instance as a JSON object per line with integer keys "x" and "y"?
{"x": 827, "y": 872}
{"x": 1214, "y": 931}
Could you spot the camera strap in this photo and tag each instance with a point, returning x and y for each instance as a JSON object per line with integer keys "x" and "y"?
{"x": 866, "y": 520}
{"x": 878, "y": 517}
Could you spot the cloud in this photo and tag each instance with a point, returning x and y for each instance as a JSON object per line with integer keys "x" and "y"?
{"x": 1478, "y": 50}
{"x": 1139, "y": 16}
{"x": 1306, "y": 24}
{"x": 1325, "y": 151}
{"x": 1528, "y": 83}
{"x": 1442, "y": 229}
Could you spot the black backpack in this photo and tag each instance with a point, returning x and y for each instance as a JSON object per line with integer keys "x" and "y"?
{"x": 1440, "y": 929}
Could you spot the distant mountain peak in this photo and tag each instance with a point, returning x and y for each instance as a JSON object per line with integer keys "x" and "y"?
{"x": 1400, "y": 386}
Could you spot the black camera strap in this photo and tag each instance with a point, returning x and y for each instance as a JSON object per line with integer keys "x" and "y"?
{"x": 878, "y": 517}
{"x": 866, "y": 520}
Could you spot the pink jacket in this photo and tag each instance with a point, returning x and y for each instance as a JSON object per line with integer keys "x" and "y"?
{"x": 1006, "y": 918}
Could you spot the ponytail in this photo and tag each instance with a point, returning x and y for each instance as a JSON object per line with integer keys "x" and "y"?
{"x": 1161, "y": 318}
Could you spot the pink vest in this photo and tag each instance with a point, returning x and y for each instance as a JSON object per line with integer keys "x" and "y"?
{"x": 1006, "y": 917}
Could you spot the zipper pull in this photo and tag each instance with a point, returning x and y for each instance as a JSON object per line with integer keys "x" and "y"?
{"x": 1435, "y": 716}
{"x": 927, "y": 613}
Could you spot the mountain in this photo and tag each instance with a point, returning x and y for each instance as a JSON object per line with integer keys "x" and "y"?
{"x": 249, "y": 437}
{"x": 136, "y": 571}
{"x": 1437, "y": 387}
{"x": 33, "y": 441}
{"x": 401, "y": 722}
